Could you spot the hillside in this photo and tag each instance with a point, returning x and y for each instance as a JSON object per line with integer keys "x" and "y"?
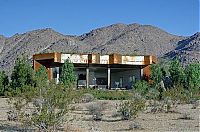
{"x": 188, "y": 49}
{"x": 116, "y": 38}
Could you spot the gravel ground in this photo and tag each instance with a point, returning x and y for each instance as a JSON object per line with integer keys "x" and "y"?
{"x": 80, "y": 119}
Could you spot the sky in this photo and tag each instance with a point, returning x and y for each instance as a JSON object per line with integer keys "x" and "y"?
{"x": 75, "y": 17}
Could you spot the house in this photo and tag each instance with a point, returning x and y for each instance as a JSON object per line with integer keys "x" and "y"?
{"x": 96, "y": 70}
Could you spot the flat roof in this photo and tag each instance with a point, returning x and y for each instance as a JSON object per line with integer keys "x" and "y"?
{"x": 95, "y": 58}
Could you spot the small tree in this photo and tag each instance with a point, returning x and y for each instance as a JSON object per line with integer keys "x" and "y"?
{"x": 3, "y": 82}
{"x": 156, "y": 73}
{"x": 177, "y": 73}
{"x": 41, "y": 76}
{"x": 22, "y": 74}
{"x": 67, "y": 76}
{"x": 192, "y": 72}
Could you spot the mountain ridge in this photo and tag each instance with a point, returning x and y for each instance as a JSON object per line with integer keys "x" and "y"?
{"x": 117, "y": 38}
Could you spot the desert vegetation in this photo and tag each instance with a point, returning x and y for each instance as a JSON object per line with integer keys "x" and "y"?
{"x": 36, "y": 104}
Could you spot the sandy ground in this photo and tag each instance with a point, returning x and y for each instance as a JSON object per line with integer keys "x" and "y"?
{"x": 80, "y": 120}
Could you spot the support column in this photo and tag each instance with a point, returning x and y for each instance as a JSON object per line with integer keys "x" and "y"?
{"x": 108, "y": 77}
{"x": 57, "y": 76}
{"x": 141, "y": 73}
{"x": 87, "y": 77}
{"x": 49, "y": 73}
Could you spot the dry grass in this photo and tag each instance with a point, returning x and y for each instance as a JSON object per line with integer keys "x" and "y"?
{"x": 80, "y": 119}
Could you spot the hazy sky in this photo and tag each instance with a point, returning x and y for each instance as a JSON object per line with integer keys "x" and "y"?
{"x": 75, "y": 17}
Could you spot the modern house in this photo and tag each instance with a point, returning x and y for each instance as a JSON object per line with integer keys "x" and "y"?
{"x": 96, "y": 70}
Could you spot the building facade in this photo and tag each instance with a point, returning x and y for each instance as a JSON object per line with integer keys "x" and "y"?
{"x": 101, "y": 71}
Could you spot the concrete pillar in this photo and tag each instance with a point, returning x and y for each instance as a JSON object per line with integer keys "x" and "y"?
{"x": 57, "y": 75}
{"x": 87, "y": 77}
{"x": 141, "y": 73}
{"x": 108, "y": 77}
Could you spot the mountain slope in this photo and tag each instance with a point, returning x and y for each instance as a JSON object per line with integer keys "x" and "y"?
{"x": 188, "y": 50}
{"x": 116, "y": 38}
{"x": 27, "y": 44}
{"x": 139, "y": 39}
{"x": 2, "y": 42}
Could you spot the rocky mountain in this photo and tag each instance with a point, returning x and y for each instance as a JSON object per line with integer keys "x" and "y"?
{"x": 188, "y": 49}
{"x": 117, "y": 38}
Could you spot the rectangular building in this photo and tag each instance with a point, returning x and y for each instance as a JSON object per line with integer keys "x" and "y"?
{"x": 98, "y": 71}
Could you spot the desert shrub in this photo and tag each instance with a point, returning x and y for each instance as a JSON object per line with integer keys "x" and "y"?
{"x": 176, "y": 72}
{"x": 177, "y": 94}
{"x": 130, "y": 108}
{"x": 156, "y": 107}
{"x": 167, "y": 104}
{"x": 41, "y": 76}
{"x": 195, "y": 104}
{"x": 152, "y": 94}
{"x": 135, "y": 126}
{"x": 141, "y": 87}
{"x": 49, "y": 105}
{"x": 106, "y": 94}
{"x": 12, "y": 115}
{"x": 87, "y": 98}
{"x": 116, "y": 114}
{"x": 192, "y": 72}
{"x": 3, "y": 83}
{"x": 96, "y": 110}
{"x": 186, "y": 116}
{"x": 157, "y": 73}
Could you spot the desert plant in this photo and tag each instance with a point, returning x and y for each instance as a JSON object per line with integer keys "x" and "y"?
{"x": 130, "y": 108}
{"x": 96, "y": 110}
{"x": 135, "y": 126}
{"x": 177, "y": 94}
{"x": 152, "y": 93}
{"x": 195, "y": 104}
{"x": 22, "y": 74}
{"x": 156, "y": 107}
{"x": 41, "y": 76}
{"x": 141, "y": 87}
{"x": 193, "y": 75}
{"x": 156, "y": 73}
{"x": 67, "y": 76}
{"x": 3, "y": 83}
{"x": 49, "y": 105}
{"x": 185, "y": 116}
{"x": 106, "y": 94}
{"x": 192, "y": 81}
{"x": 167, "y": 104}
{"x": 176, "y": 72}
{"x": 87, "y": 98}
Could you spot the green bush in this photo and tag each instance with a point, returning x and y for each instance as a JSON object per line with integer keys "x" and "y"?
{"x": 49, "y": 106}
{"x": 152, "y": 94}
{"x": 129, "y": 109}
{"x": 96, "y": 110}
{"x": 3, "y": 83}
{"x": 106, "y": 94}
{"x": 141, "y": 87}
{"x": 192, "y": 72}
{"x": 111, "y": 95}
{"x": 23, "y": 74}
{"x": 67, "y": 76}
{"x": 178, "y": 94}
